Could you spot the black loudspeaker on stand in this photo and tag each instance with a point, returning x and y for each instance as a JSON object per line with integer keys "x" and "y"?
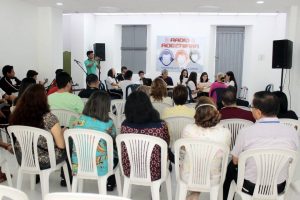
{"x": 282, "y": 56}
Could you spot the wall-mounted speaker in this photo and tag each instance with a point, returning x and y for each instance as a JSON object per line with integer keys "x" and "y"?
{"x": 99, "y": 51}
{"x": 282, "y": 54}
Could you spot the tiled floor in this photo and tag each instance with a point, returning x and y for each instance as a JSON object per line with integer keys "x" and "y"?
{"x": 138, "y": 192}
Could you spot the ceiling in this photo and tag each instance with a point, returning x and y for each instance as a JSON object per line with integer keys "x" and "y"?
{"x": 158, "y": 6}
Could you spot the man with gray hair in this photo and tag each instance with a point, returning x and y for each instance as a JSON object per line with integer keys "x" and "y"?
{"x": 166, "y": 78}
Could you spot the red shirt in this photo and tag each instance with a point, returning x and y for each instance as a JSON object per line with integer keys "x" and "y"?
{"x": 52, "y": 90}
{"x": 235, "y": 112}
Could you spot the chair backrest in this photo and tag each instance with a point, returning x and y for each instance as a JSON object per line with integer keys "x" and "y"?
{"x": 291, "y": 122}
{"x": 65, "y": 117}
{"x": 86, "y": 142}
{"x": 270, "y": 87}
{"x": 219, "y": 93}
{"x": 102, "y": 86}
{"x": 244, "y": 93}
{"x": 117, "y": 121}
{"x": 269, "y": 165}
{"x": 139, "y": 149}
{"x": 176, "y": 126}
{"x": 12, "y": 193}
{"x": 28, "y": 140}
{"x": 235, "y": 125}
{"x": 190, "y": 97}
{"x": 132, "y": 87}
{"x": 201, "y": 155}
{"x": 160, "y": 107}
{"x": 117, "y": 106}
{"x": 84, "y": 100}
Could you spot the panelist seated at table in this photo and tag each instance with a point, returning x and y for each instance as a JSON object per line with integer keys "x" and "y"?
{"x": 166, "y": 78}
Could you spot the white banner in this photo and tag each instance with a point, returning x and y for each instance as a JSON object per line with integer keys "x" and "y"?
{"x": 177, "y": 53}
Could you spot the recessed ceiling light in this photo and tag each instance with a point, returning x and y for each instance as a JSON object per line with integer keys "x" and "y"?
{"x": 59, "y": 4}
{"x": 260, "y": 2}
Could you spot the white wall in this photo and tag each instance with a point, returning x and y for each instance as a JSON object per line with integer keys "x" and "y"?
{"x": 261, "y": 30}
{"x": 31, "y": 38}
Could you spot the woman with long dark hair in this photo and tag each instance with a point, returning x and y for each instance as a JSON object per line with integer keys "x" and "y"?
{"x": 32, "y": 109}
{"x": 192, "y": 84}
{"x": 230, "y": 79}
{"x": 204, "y": 84}
{"x": 184, "y": 75}
{"x": 142, "y": 118}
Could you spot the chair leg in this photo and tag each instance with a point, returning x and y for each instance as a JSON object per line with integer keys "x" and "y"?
{"x": 169, "y": 187}
{"x": 67, "y": 176}
{"x": 102, "y": 185}
{"x": 232, "y": 190}
{"x": 182, "y": 191}
{"x": 155, "y": 191}
{"x": 214, "y": 192}
{"x": 118, "y": 181}
{"x": 80, "y": 185}
{"x": 44, "y": 183}
{"x": 126, "y": 188}
{"x": 8, "y": 175}
{"x": 32, "y": 181}
{"x": 74, "y": 184}
{"x": 177, "y": 192}
{"x": 20, "y": 179}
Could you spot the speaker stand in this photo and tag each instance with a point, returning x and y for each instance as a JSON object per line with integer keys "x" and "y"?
{"x": 281, "y": 81}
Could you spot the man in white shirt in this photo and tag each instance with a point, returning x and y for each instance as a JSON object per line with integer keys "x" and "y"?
{"x": 123, "y": 84}
{"x": 266, "y": 133}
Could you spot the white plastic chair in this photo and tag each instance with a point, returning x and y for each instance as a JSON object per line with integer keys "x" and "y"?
{"x": 269, "y": 163}
{"x": 201, "y": 154}
{"x": 119, "y": 105}
{"x": 191, "y": 105}
{"x": 244, "y": 93}
{"x": 12, "y": 193}
{"x": 84, "y": 100}
{"x": 160, "y": 107}
{"x": 65, "y": 117}
{"x": 79, "y": 196}
{"x": 139, "y": 150}
{"x": 291, "y": 122}
{"x": 235, "y": 125}
{"x": 117, "y": 121}
{"x": 28, "y": 138}
{"x": 176, "y": 126}
{"x": 86, "y": 142}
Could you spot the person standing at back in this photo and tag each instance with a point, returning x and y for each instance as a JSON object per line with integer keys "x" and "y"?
{"x": 63, "y": 98}
{"x": 266, "y": 133}
{"x": 91, "y": 63}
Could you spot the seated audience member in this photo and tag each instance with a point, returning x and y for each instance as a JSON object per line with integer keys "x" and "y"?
{"x": 283, "y": 111}
{"x": 33, "y": 110}
{"x": 63, "y": 99}
{"x": 121, "y": 76}
{"x": 126, "y": 82}
{"x": 25, "y": 83}
{"x": 217, "y": 86}
{"x": 53, "y": 86}
{"x": 143, "y": 80}
{"x": 142, "y": 118}
{"x": 166, "y": 78}
{"x": 145, "y": 89}
{"x": 111, "y": 83}
{"x": 7, "y": 147}
{"x": 159, "y": 92}
{"x": 206, "y": 127}
{"x": 180, "y": 95}
{"x": 266, "y": 133}
{"x": 230, "y": 109}
{"x": 230, "y": 79}
{"x": 92, "y": 82}
{"x": 184, "y": 75}
{"x": 192, "y": 84}
{"x": 204, "y": 84}
{"x": 95, "y": 116}
{"x": 6, "y": 83}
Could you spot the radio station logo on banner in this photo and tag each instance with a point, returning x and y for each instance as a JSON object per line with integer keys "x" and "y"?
{"x": 177, "y": 53}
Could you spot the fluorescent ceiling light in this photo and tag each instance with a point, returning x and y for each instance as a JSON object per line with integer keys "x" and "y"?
{"x": 59, "y": 4}
{"x": 260, "y": 2}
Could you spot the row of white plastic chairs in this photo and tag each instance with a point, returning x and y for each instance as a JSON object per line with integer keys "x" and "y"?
{"x": 201, "y": 153}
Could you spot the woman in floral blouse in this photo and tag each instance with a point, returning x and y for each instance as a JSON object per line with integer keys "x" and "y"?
{"x": 142, "y": 118}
